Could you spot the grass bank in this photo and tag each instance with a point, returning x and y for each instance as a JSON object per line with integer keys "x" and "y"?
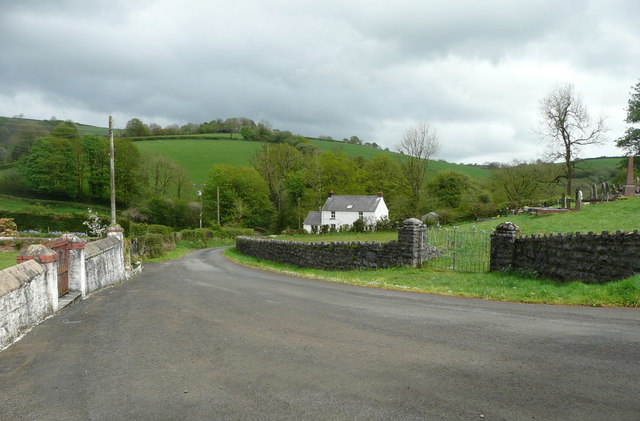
{"x": 623, "y": 214}
{"x": 491, "y": 286}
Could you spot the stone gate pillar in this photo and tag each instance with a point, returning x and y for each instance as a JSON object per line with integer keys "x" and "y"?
{"x": 502, "y": 245}
{"x": 77, "y": 269}
{"x": 412, "y": 238}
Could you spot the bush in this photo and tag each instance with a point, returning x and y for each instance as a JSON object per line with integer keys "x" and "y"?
{"x": 42, "y": 220}
{"x": 232, "y": 232}
{"x": 155, "y": 245}
{"x": 449, "y": 216}
{"x": 138, "y": 229}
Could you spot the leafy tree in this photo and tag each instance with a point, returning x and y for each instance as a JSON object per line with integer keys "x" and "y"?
{"x": 418, "y": 145}
{"x": 566, "y": 124}
{"x": 244, "y": 196}
{"x": 448, "y": 188}
{"x": 96, "y": 158}
{"x": 49, "y": 166}
{"x": 630, "y": 142}
{"x": 275, "y": 162}
{"x": 65, "y": 130}
{"x": 523, "y": 183}
{"x": 136, "y": 128}
{"x": 127, "y": 169}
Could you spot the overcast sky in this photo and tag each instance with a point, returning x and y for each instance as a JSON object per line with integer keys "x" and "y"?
{"x": 474, "y": 70}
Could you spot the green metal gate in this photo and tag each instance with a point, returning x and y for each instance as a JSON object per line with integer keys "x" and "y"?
{"x": 462, "y": 250}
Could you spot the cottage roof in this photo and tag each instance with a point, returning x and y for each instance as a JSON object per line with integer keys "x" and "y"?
{"x": 313, "y": 218}
{"x": 352, "y": 203}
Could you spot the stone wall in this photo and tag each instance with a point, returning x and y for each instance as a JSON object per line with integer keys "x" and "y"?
{"x": 24, "y": 299}
{"x": 409, "y": 250}
{"x": 591, "y": 258}
{"x": 104, "y": 264}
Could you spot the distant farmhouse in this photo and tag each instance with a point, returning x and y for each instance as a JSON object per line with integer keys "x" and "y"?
{"x": 345, "y": 210}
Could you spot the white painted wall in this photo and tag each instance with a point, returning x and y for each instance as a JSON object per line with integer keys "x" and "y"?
{"x": 25, "y": 298}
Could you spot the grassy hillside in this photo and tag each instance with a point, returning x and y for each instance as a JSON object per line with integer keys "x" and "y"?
{"x": 199, "y": 155}
{"x": 622, "y": 214}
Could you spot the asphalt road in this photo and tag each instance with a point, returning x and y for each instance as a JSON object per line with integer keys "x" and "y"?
{"x": 203, "y": 338}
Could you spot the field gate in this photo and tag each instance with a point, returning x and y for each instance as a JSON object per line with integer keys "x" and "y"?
{"x": 467, "y": 250}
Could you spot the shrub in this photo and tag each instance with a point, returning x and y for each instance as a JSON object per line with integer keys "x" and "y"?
{"x": 155, "y": 245}
{"x": 137, "y": 229}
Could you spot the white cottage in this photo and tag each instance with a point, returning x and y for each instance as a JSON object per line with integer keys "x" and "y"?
{"x": 345, "y": 210}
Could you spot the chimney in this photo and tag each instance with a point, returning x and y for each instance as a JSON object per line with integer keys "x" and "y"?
{"x": 331, "y": 193}
{"x": 380, "y": 194}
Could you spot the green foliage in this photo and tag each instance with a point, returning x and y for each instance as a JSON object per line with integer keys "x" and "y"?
{"x": 358, "y": 225}
{"x": 244, "y": 196}
{"x": 40, "y": 219}
{"x": 448, "y": 188}
{"x": 133, "y": 229}
{"x": 630, "y": 142}
{"x": 48, "y": 167}
{"x": 135, "y": 127}
{"x": 232, "y": 232}
{"x": 520, "y": 183}
{"x": 155, "y": 245}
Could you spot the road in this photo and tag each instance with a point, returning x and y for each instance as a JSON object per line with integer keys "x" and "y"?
{"x": 203, "y": 338}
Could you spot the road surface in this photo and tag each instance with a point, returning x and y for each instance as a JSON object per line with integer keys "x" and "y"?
{"x": 202, "y": 338}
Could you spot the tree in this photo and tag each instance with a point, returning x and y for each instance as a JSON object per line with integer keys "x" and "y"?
{"x": 418, "y": 145}
{"x": 49, "y": 166}
{"x": 244, "y": 196}
{"x": 566, "y": 125}
{"x": 448, "y": 187}
{"x": 522, "y": 183}
{"x": 275, "y": 162}
{"x": 135, "y": 127}
{"x": 631, "y": 139}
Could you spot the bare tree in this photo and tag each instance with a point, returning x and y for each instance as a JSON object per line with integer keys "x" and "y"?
{"x": 566, "y": 125}
{"x": 418, "y": 145}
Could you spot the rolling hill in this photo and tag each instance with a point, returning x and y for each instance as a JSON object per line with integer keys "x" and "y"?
{"x": 199, "y": 155}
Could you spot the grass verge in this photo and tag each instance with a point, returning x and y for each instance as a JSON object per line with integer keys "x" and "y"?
{"x": 492, "y": 286}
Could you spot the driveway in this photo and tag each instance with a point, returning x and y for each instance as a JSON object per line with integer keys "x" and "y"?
{"x": 203, "y": 338}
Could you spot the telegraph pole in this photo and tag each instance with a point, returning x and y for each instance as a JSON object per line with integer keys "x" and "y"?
{"x": 112, "y": 172}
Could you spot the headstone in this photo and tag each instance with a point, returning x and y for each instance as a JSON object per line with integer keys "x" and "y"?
{"x": 578, "y": 199}
{"x": 606, "y": 191}
{"x": 594, "y": 192}
{"x": 564, "y": 201}
{"x": 629, "y": 187}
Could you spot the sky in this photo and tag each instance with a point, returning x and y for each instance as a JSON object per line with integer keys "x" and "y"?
{"x": 475, "y": 71}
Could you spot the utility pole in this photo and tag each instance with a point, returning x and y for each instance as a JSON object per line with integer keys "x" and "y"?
{"x": 112, "y": 172}
{"x": 200, "y": 192}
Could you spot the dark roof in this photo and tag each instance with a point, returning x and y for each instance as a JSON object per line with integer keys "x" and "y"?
{"x": 354, "y": 203}
{"x": 313, "y": 218}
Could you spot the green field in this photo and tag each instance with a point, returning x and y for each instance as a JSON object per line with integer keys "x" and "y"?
{"x": 199, "y": 155}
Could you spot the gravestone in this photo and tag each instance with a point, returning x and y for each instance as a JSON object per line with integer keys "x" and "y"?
{"x": 578, "y": 199}
{"x": 594, "y": 192}
{"x": 564, "y": 201}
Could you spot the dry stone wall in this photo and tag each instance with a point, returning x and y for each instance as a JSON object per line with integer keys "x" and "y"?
{"x": 409, "y": 250}
{"x": 591, "y": 258}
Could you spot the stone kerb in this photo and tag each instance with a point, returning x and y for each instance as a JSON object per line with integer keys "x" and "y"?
{"x": 49, "y": 261}
{"x": 502, "y": 246}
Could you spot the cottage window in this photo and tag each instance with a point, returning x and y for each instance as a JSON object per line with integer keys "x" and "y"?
{"x": 361, "y": 215}
{"x": 333, "y": 214}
